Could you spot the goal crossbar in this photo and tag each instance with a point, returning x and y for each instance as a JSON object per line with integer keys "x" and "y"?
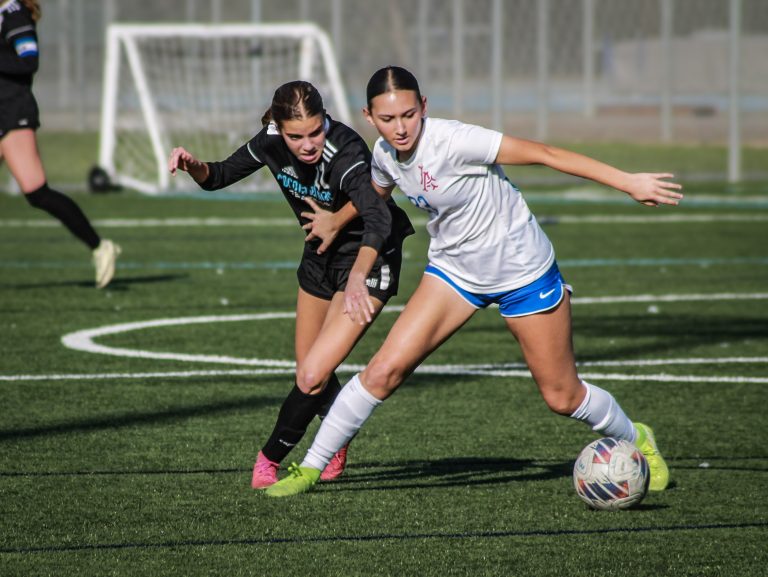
{"x": 313, "y": 51}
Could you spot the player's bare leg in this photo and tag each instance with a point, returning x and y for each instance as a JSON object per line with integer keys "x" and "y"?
{"x": 545, "y": 340}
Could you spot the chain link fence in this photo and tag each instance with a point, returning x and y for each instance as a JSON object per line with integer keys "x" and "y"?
{"x": 680, "y": 71}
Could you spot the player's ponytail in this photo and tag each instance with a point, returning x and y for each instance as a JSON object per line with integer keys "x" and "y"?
{"x": 293, "y": 100}
{"x": 34, "y": 7}
{"x": 389, "y": 79}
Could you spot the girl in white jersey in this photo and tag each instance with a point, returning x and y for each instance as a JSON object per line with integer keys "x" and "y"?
{"x": 485, "y": 247}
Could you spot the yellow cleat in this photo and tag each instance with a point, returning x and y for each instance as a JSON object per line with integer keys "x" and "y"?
{"x": 647, "y": 444}
{"x": 299, "y": 480}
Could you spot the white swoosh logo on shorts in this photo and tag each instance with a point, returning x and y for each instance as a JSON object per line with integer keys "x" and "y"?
{"x": 546, "y": 294}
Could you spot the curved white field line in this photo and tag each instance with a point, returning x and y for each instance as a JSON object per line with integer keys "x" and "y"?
{"x": 84, "y": 341}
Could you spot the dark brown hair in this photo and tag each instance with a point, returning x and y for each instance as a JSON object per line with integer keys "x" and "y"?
{"x": 388, "y": 79}
{"x": 292, "y": 100}
{"x": 34, "y": 7}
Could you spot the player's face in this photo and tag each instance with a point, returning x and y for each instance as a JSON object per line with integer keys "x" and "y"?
{"x": 397, "y": 115}
{"x": 305, "y": 137}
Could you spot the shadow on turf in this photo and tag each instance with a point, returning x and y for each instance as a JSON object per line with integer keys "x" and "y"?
{"x": 118, "y": 284}
{"x": 453, "y": 472}
{"x": 137, "y": 419}
{"x": 662, "y": 333}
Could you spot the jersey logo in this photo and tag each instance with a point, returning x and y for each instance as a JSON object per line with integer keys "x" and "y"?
{"x": 329, "y": 151}
{"x": 25, "y": 47}
{"x": 272, "y": 129}
{"x": 289, "y": 171}
{"x": 299, "y": 190}
{"x": 427, "y": 181}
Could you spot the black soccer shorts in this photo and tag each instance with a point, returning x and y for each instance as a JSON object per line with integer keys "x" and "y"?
{"x": 18, "y": 110}
{"x": 323, "y": 280}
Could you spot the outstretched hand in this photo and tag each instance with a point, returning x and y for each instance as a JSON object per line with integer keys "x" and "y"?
{"x": 357, "y": 300}
{"x": 322, "y": 224}
{"x": 181, "y": 159}
{"x": 652, "y": 189}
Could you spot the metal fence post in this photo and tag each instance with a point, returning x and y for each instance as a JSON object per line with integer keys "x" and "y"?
{"x": 497, "y": 71}
{"x": 588, "y": 62}
{"x": 458, "y": 58}
{"x": 734, "y": 118}
{"x": 666, "y": 64}
{"x": 542, "y": 73}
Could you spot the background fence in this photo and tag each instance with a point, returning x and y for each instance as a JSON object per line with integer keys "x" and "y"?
{"x": 678, "y": 71}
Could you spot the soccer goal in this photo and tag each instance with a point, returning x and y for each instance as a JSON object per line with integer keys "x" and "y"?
{"x": 204, "y": 87}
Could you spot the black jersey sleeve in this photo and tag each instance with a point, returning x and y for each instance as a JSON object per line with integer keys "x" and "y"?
{"x": 241, "y": 163}
{"x": 355, "y": 182}
{"x": 20, "y": 55}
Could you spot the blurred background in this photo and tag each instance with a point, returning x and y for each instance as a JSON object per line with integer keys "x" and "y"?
{"x": 688, "y": 74}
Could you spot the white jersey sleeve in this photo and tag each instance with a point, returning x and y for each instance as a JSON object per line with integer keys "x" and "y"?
{"x": 470, "y": 144}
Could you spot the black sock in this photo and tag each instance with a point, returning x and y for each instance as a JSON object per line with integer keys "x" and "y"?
{"x": 294, "y": 417}
{"x": 64, "y": 208}
{"x": 330, "y": 393}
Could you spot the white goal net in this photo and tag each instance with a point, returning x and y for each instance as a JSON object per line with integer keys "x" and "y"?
{"x": 204, "y": 87}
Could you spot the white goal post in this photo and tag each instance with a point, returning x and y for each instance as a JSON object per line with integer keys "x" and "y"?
{"x": 204, "y": 87}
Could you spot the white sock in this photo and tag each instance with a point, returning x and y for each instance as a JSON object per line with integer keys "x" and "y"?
{"x": 348, "y": 413}
{"x": 601, "y": 412}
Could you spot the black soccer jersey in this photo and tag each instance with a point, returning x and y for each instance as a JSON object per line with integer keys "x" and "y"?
{"x": 343, "y": 174}
{"x": 18, "y": 64}
{"x": 18, "y": 47}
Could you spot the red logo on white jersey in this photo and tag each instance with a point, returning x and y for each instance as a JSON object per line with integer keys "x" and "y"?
{"x": 427, "y": 182}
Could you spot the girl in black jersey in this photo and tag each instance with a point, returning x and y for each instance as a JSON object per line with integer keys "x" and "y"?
{"x": 19, "y": 58}
{"x": 351, "y": 261}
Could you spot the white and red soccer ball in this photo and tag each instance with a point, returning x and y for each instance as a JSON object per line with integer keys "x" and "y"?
{"x": 611, "y": 474}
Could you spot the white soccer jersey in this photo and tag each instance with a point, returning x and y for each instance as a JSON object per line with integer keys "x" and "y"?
{"x": 482, "y": 232}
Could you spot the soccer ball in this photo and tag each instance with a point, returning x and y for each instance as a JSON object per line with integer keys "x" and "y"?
{"x": 611, "y": 474}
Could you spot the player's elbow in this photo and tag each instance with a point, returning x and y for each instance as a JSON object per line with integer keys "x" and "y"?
{"x": 31, "y": 64}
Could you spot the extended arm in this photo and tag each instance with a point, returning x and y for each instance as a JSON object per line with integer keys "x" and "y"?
{"x": 650, "y": 189}
{"x": 181, "y": 159}
{"x": 215, "y": 175}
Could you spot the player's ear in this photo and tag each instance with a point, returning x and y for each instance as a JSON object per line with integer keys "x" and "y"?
{"x": 368, "y": 117}
{"x": 423, "y": 106}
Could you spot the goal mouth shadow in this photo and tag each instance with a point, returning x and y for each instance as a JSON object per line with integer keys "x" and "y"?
{"x": 121, "y": 283}
{"x": 451, "y": 472}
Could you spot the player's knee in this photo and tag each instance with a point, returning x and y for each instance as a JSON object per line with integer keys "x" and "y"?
{"x": 310, "y": 380}
{"x": 40, "y": 197}
{"x": 382, "y": 377}
{"x": 563, "y": 400}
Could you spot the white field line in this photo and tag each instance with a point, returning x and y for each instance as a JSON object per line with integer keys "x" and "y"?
{"x": 426, "y": 369}
{"x": 669, "y": 298}
{"x": 279, "y": 222}
{"x": 84, "y": 341}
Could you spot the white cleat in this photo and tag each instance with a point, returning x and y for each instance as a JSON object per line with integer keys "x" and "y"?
{"x": 104, "y": 258}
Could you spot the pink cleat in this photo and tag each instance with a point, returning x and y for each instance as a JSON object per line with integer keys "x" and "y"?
{"x": 335, "y": 468}
{"x": 265, "y": 472}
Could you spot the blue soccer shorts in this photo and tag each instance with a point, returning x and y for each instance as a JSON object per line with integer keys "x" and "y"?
{"x": 541, "y": 295}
